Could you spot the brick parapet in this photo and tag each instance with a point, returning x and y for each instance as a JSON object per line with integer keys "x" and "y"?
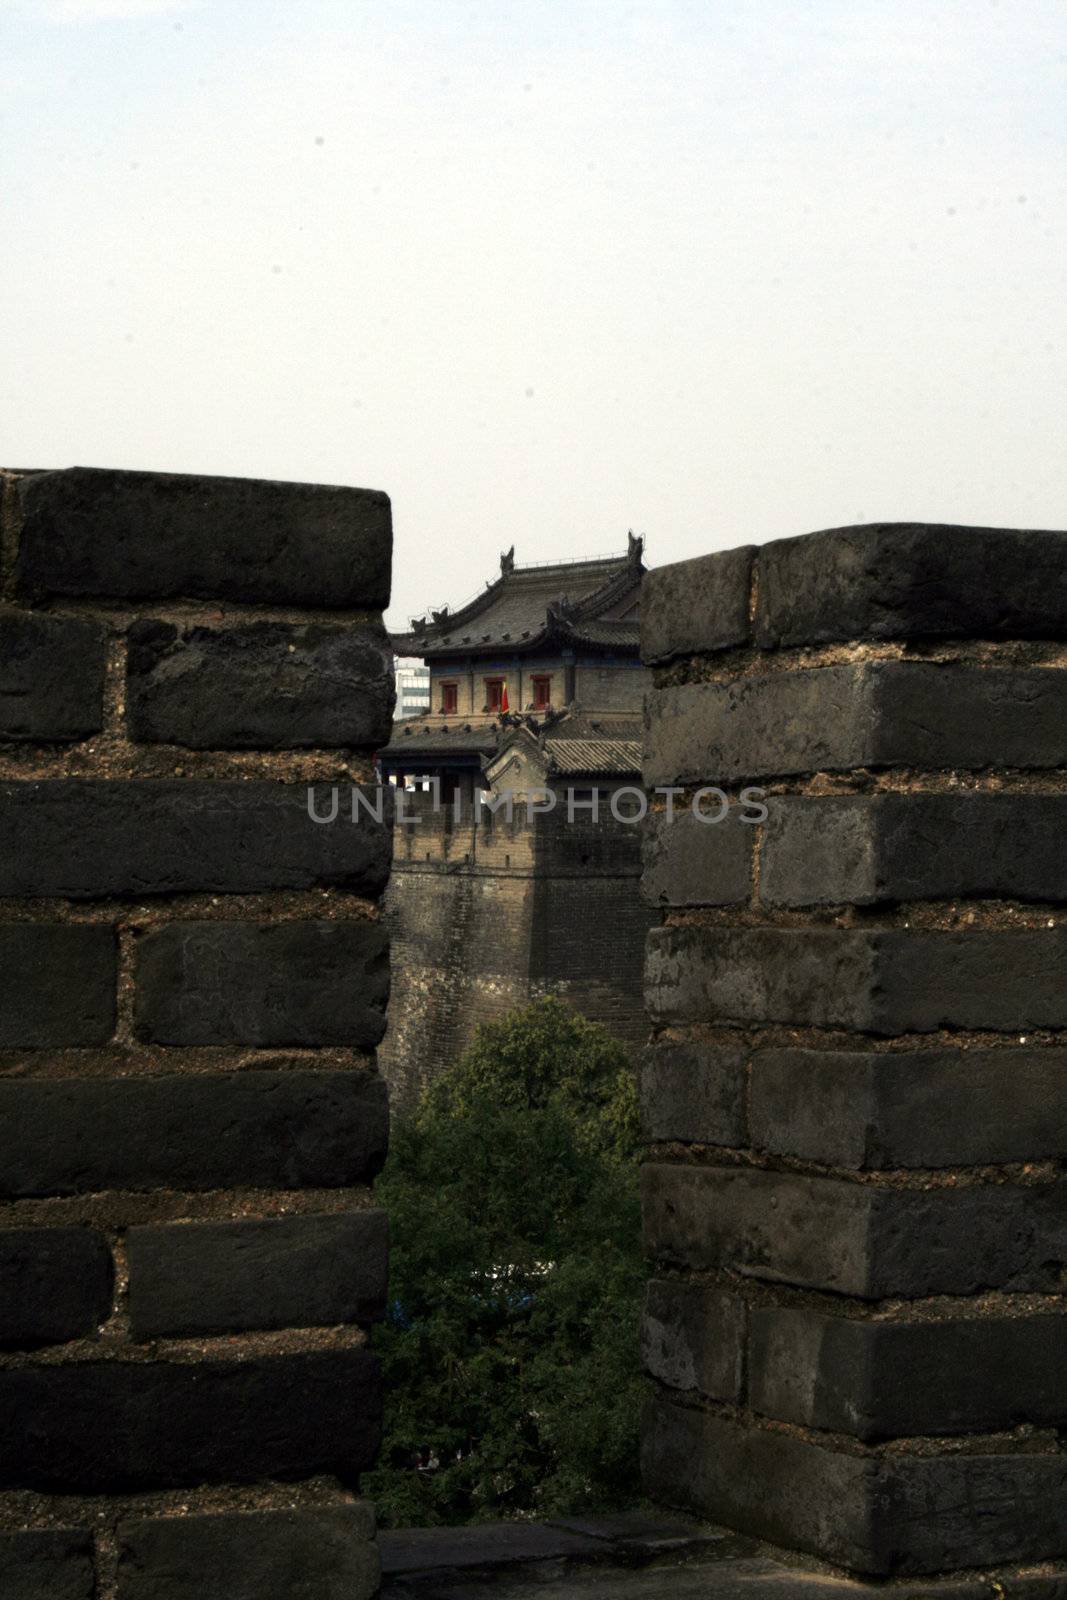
{"x": 190, "y": 1255}
{"x": 856, "y": 1203}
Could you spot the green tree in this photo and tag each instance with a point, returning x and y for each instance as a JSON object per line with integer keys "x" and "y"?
{"x": 510, "y": 1350}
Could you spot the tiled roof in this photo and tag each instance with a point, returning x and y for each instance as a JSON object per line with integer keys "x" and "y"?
{"x": 592, "y": 756}
{"x": 524, "y": 604}
{"x": 624, "y": 634}
{"x": 413, "y": 737}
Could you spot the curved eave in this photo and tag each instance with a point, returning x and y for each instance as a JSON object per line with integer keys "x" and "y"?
{"x": 430, "y": 649}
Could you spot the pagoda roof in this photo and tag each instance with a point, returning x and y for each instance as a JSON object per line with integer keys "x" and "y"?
{"x": 526, "y": 607}
{"x": 573, "y": 743}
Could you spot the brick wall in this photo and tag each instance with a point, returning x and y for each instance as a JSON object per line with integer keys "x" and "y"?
{"x": 485, "y": 917}
{"x": 856, "y": 1103}
{"x": 195, "y": 983}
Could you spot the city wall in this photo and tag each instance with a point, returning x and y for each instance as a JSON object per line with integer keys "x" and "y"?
{"x": 490, "y": 913}
{"x": 856, "y": 1101}
{"x": 194, "y": 983}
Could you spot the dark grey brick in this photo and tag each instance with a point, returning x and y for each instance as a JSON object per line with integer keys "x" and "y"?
{"x": 693, "y": 1338}
{"x": 262, "y": 983}
{"x": 924, "y": 1108}
{"x": 105, "y": 1426}
{"x": 51, "y": 677}
{"x": 902, "y": 580}
{"x": 869, "y": 848}
{"x": 694, "y": 1093}
{"x": 309, "y": 1553}
{"x": 688, "y": 862}
{"x": 83, "y": 838}
{"x": 862, "y": 1239}
{"x": 928, "y": 715}
{"x": 160, "y": 535}
{"x": 59, "y": 984}
{"x": 882, "y": 1515}
{"x": 47, "y": 1564}
{"x": 412, "y": 1553}
{"x": 55, "y": 1284}
{"x": 883, "y": 1380}
{"x": 698, "y": 605}
{"x": 265, "y": 685}
{"x": 269, "y": 1130}
{"x": 896, "y": 981}
{"x": 223, "y": 1277}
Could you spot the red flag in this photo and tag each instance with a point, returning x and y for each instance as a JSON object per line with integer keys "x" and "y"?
{"x": 504, "y": 699}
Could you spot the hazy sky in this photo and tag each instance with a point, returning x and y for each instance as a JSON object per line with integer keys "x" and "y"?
{"x": 546, "y": 270}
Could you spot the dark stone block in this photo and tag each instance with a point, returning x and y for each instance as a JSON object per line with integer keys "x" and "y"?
{"x": 262, "y": 983}
{"x": 694, "y": 1093}
{"x": 263, "y": 685}
{"x": 759, "y": 726}
{"x": 882, "y": 1515}
{"x": 902, "y": 580}
{"x": 693, "y": 1337}
{"x": 164, "y": 535}
{"x": 896, "y": 981}
{"x": 102, "y": 1427}
{"x": 888, "y": 1379}
{"x": 224, "y": 1277}
{"x": 82, "y": 838}
{"x": 309, "y": 1553}
{"x": 868, "y": 848}
{"x": 927, "y": 715}
{"x": 688, "y": 862}
{"x": 698, "y": 605}
{"x": 486, "y": 1544}
{"x": 868, "y": 1240}
{"x": 269, "y": 1130}
{"x": 920, "y": 1108}
{"x": 47, "y": 1564}
{"x": 59, "y": 984}
{"x": 55, "y": 1284}
{"x": 51, "y": 677}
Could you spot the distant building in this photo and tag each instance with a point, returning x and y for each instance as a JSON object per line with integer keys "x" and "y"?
{"x": 412, "y": 688}
{"x": 536, "y": 685}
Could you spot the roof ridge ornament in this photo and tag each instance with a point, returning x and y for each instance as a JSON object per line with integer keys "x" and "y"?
{"x": 635, "y": 546}
{"x": 507, "y": 561}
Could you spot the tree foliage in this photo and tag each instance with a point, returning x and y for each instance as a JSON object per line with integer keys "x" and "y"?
{"x": 510, "y": 1349}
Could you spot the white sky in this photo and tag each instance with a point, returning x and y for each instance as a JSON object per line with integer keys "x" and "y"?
{"x": 545, "y": 270}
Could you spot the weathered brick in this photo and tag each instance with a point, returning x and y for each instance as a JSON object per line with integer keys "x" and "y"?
{"x": 883, "y": 1380}
{"x": 881, "y": 1515}
{"x": 223, "y": 1277}
{"x": 862, "y": 1239}
{"x": 101, "y": 1426}
{"x": 262, "y": 983}
{"x": 162, "y": 535}
{"x": 693, "y": 1337}
{"x": 694, "y": 1093}
{"x": 888, "y": 982}
{"x": 309, "y": 1553}
{"x": 47, "y": 1564}
{"x": 930, "y": 715}
{"x": 691, "y": 606}
{"x": 287, "y": 1129}
{"x": 265, "y": 685}
{"x": 902, "y": 580}
{"x": 59, "y": 984}
{"x": 688, "y": 862}
{"x": 85, "y": 838}
{"x": 51, "y": 677}
{"x": 925, "y": 1108}
{"x": 868, "y": 848}
{"x": 55, "y": 1284}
